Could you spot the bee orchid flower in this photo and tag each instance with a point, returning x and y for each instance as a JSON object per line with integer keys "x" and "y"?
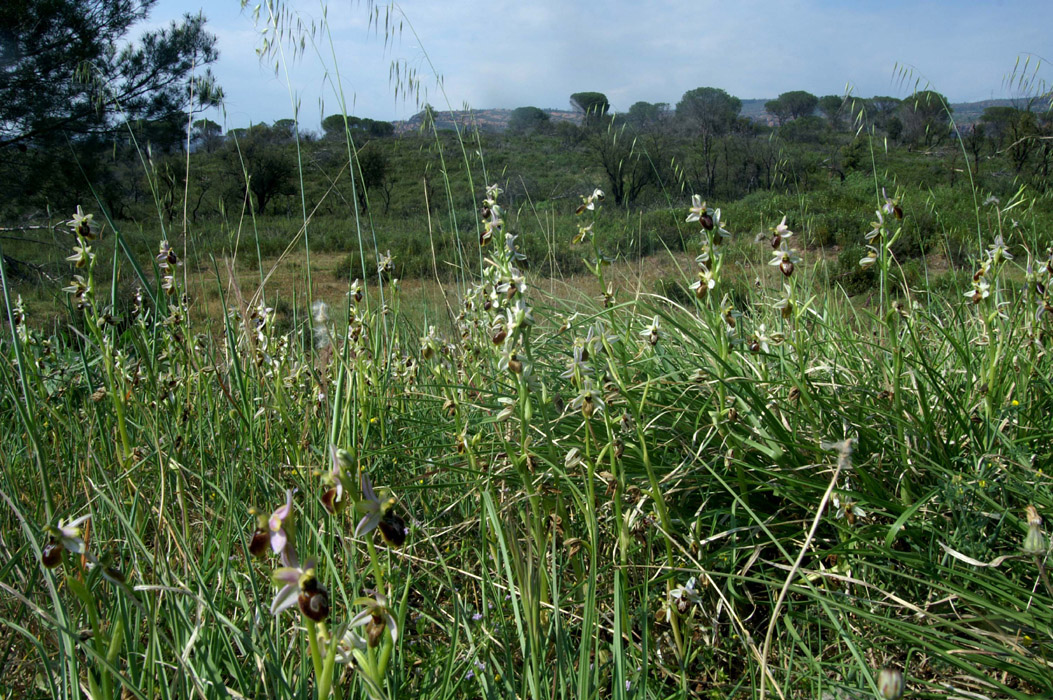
{"x": 378, "y": 618}
{"x": 66, "y": 537}
{"x": 371, "y": 507}
{"x": 294, "y": 581}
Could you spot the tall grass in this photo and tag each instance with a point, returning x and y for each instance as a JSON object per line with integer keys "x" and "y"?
{"x": 724, "y": 490}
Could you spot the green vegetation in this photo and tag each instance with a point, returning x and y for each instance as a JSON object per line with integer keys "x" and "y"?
{"x": 635, "y": 445}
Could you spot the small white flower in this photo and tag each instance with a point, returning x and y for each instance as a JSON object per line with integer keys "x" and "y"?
{"x": 687, "y": 595}
{"x": 651, "y": 332}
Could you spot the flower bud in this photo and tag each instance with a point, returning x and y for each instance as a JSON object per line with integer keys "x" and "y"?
{"x": 890, "y": 684}
{"x": 1035, "y": 542}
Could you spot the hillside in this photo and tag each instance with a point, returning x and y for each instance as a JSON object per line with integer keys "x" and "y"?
{"x": 486, "y": 119}
{"x": 496, "y": 120}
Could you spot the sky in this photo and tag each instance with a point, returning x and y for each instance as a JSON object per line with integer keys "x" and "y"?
{"x": 507, "y": 54}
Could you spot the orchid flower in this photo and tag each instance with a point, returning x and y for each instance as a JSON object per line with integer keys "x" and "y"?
{"x": 291, "y": 579}
{"x": 377, "y": 615}
{"x": 371, "y": 507}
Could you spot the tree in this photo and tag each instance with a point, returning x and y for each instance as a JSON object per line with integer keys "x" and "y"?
{"x": 524, "y": 119}
{"x": 1013, "y": 131}
{"x": 792, "y": 105}
{"x": 644, "y": 115}
{"x": 260, "y": 156}
{"x": 709, "y": 109}
{"x": 65, "y": 70}
{"x": 284, "y": 129}
{"x": 206, "y": 134}
{"x": 832, "y": 106}
{"x": 593, "y": 106}
{"x": 810, "y": 129}
{"x": 622, "y": 158}
{"x": 881, "y": 109}
{"x": 334, "y": 127}
{"x": 925, "y": 116}
{"x": 974, "y": 139}
{"x": 374, "y": 168}
{"x": 709, "y": 112}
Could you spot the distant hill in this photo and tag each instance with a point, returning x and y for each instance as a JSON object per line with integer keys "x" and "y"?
{"x": 485, "y": 119}
{"x": 968, "y": 113}
{"x": 965, "y": 114}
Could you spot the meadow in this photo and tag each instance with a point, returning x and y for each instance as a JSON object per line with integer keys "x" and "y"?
{"x": 784, "y": 446}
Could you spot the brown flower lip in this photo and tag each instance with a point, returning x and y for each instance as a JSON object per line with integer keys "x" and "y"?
{"x": 393, "y": 529}
{"x": 52, "y": 554}
{"x": 313, "y": 600}
{"x": 259, "y": 543}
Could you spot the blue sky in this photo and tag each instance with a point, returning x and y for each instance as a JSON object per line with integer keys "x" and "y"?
{"x": 509, "y": 54}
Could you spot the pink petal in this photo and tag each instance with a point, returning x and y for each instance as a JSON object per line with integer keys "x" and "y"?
{"x": 285, "y": 599}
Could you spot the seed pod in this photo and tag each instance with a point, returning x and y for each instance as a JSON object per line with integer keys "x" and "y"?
{"x": 52, "y": 554}
{"x": 259, "y": 543}
{"x": 393, "y": 530}
{"x": 313, "y": 600}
